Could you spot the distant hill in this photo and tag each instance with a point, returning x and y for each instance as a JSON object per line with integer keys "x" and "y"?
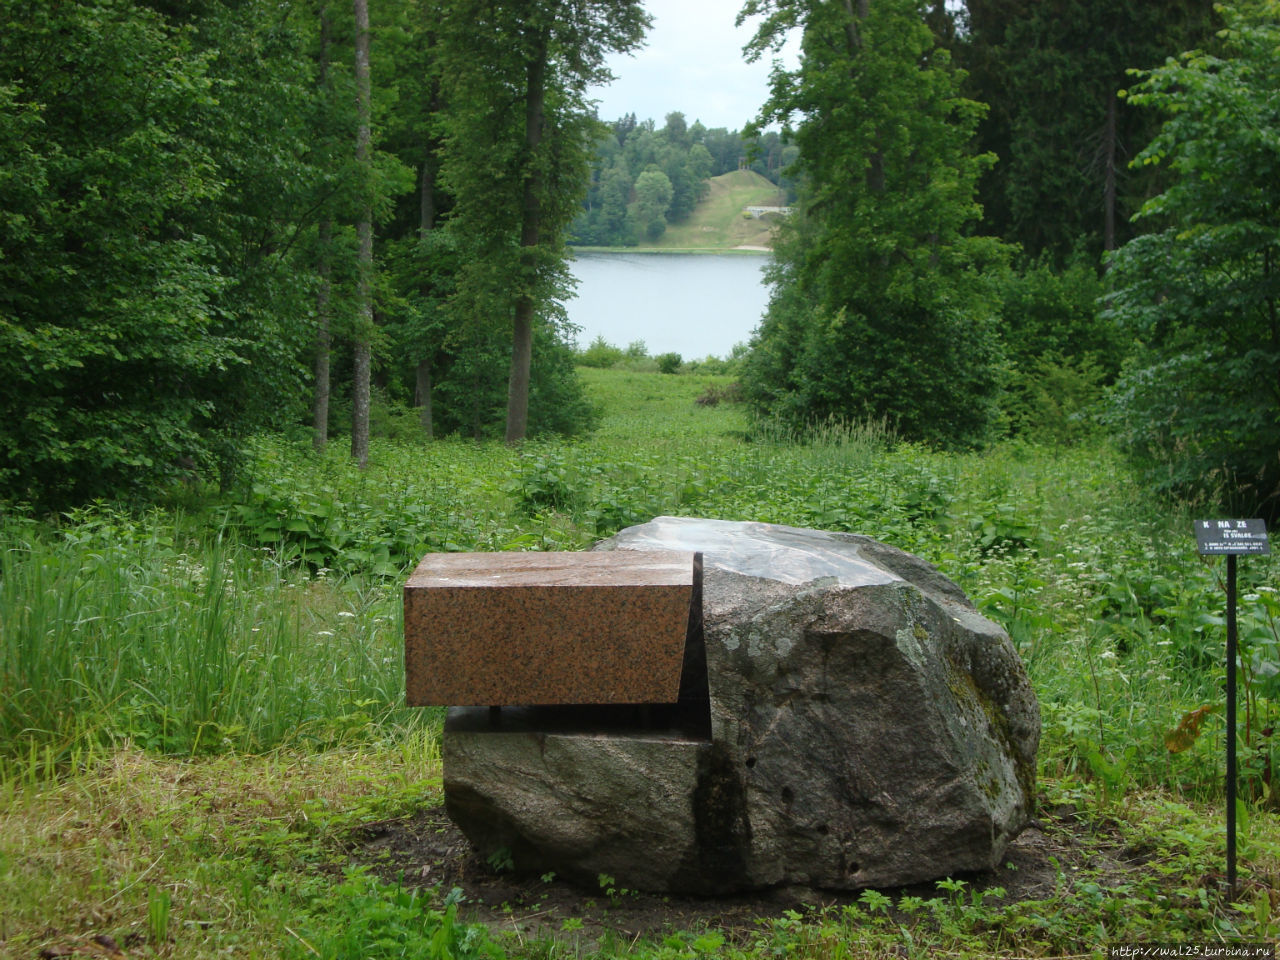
{"x": 717, "y": 222}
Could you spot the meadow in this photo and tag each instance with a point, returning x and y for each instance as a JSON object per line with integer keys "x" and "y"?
{"x": 202, "y": 704}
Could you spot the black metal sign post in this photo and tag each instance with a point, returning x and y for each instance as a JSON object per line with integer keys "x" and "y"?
{"x": 1231, "y": 538}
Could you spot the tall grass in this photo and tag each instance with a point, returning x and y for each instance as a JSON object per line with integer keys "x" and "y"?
{"x": 115, "y": 628}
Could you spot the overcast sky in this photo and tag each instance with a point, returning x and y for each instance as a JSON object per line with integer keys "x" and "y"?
{"x": 691, "y": 62}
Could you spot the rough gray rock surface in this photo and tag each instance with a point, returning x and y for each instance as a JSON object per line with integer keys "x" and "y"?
{"x": 867, "y": 728}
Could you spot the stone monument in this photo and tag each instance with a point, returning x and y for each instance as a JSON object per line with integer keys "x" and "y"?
{"x": 843, "y": 716}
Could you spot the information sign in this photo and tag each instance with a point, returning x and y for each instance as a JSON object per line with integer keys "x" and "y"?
{"x": 1232, "y": 537}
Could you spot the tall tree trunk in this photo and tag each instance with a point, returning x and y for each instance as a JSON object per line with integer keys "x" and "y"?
{"x": 320, "y": 402}
{"x": 427, "y": 223}
{"x": 422, "y": 397}
{"x": 1109, "y": 182}
{"x": 530, "y": 235}
{"x": 320, "y": 405}
{"x": 364, "y": 252}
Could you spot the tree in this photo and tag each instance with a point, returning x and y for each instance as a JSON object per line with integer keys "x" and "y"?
{"x": 1199, "y": 403}
{"x": 440, "y": 347}
{"x": 676, "y": 130}
{"x": 516, "y": 155}
{"x": 880, "y": 307}
{"x": 1050, "y": 71}
{"x": 258, "y": 126}
{"x": 653, "y": 198}
{"x": 324, "y": 255}
{"x": 362, "y": 346}
{"x": 108, "y": 337}
{"x": 615, "y": 190}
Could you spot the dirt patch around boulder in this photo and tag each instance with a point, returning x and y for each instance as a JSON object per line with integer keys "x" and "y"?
{"x": 427, "y": 850}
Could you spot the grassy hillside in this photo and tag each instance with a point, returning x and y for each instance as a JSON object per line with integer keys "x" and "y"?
{"x": 717, "y": 223}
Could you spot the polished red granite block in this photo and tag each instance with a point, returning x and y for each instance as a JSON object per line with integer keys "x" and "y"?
{"x": 506, "y": 629}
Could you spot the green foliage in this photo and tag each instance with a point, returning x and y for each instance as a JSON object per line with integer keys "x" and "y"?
{"x": 558, "y": 402}
{"x": 113, "y": 628}
{"x": 324, "y": 513}
{"x": 470, "y": 386}
{"x": 881, "y": 306}
{"x": 645, "y": 178}
{"x": 668, "y": 362}
{"x": 1050, "y": 71}
{"x": 107, "y": 339}
{"x": 1200, "y": 293}
{"x": 605, "y": 356}
{"x": 601, "y": 354}
{"x": 1061, "y": 351}
{"x": 543, "y": 484}
{"x": 515, "y": 158}
{"x": 364, "y": 919}
{"x": 161, "y": 173}
{"x": 653, "y": 198}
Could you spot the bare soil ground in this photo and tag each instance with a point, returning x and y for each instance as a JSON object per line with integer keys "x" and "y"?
{"x": 428, "y": 850}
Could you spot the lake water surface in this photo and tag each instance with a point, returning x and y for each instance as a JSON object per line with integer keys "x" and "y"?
{"x": 696, "y": 305}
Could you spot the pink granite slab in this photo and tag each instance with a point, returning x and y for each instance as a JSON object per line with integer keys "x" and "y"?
{"x": 503, "y": 629}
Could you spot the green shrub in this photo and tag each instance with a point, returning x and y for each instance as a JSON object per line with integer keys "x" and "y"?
{"x": 601, "y": 354}
{"x": 668, "y": 362}
{"x": 1061, "y": 352}
{"x": 1055, "y": 400}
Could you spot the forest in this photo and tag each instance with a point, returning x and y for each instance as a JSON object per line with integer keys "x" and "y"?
{"x": 224, "y": 218}
{"x": 282, "y": 309}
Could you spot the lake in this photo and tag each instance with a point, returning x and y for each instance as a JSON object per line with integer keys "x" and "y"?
{"x": 696, "y": 305}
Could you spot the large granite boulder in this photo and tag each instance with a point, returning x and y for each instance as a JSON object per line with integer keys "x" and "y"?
{"x": 865, "y": 726}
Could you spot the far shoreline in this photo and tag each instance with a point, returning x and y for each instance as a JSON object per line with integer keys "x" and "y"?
{"x": 723, "y": 251}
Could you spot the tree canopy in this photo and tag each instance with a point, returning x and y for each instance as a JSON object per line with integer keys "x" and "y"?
{"x": 1050, "y": 71}
{"x": 1199, "y": 291}
{"x": 185, "y": 189}
{"x": 144, "y": 316}
{"x": 619, "y": 208}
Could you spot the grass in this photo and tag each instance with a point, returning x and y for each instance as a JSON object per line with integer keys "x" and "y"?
{"x": 644, "y": 408}
{"x": 113, "y": 628}
{"x": 717, "y": 221}
{"x": 199, "y": 710}
{"x": 234, "y": 845}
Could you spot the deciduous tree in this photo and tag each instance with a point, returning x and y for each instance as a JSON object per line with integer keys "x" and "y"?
{"x": 1199, "y": 404}
{"x": 880, "y": 304}
{"x": 108, "y": 337}
{"x": 517, "y": 152}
